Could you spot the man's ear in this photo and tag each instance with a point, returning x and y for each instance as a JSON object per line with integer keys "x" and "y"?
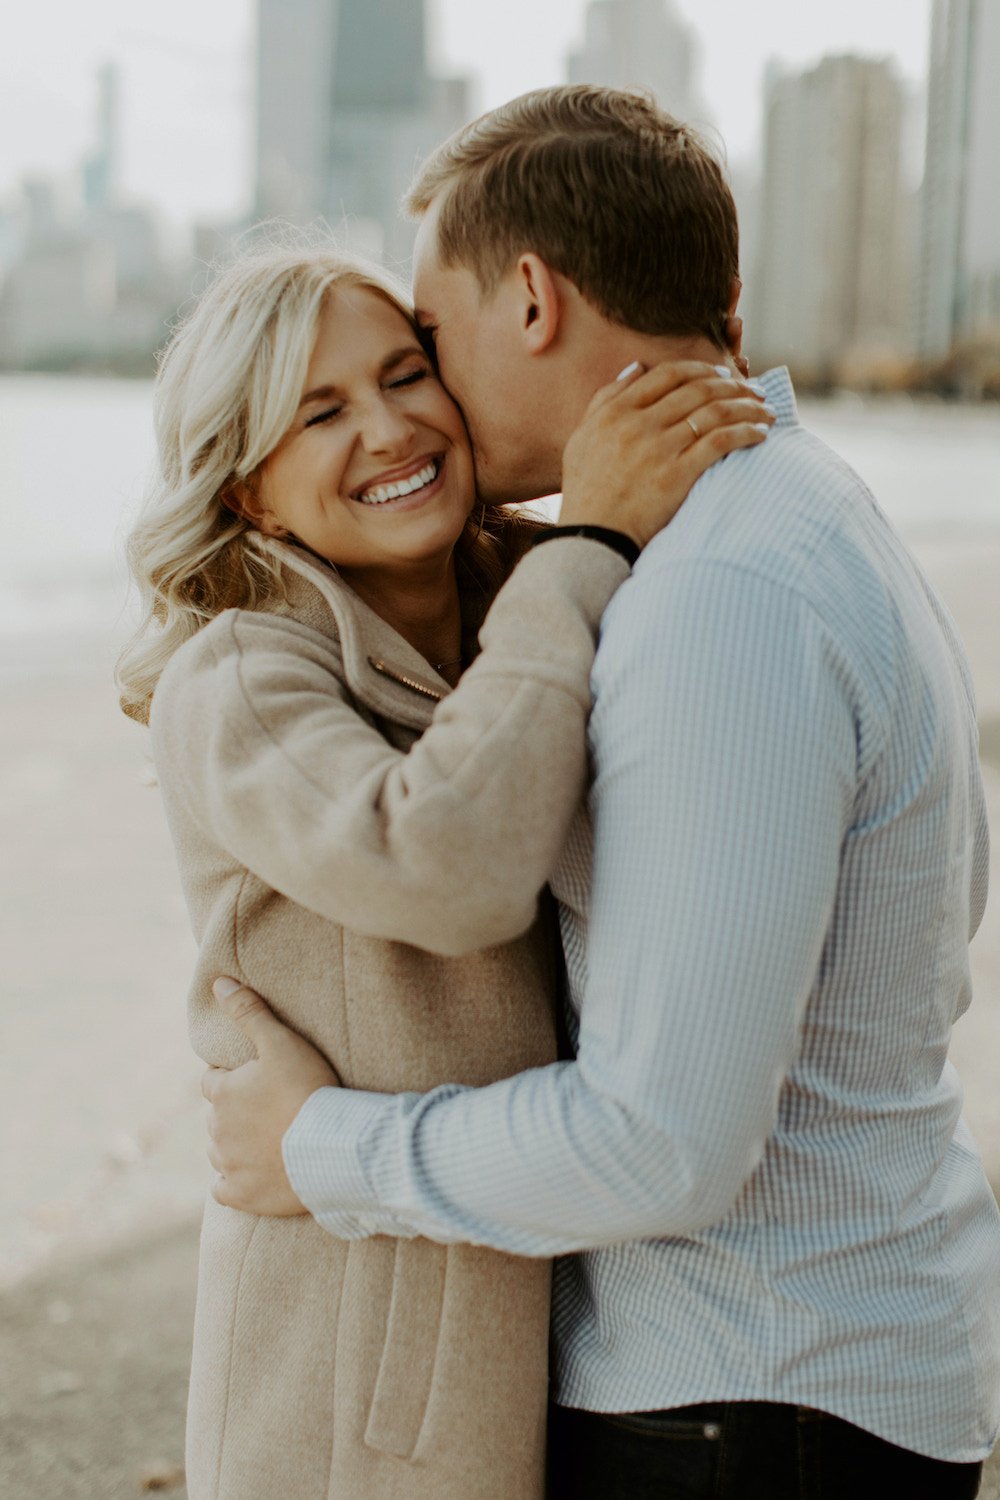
{"x": 733, "y": 328}
{"x": 539, "y": 301}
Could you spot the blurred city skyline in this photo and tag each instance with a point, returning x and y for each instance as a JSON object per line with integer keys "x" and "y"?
{"x": 870, "y": 217}
{"x": 187, "y": 78}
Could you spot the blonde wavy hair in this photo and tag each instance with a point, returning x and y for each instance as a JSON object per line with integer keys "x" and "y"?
{"x": 228, "y": 386}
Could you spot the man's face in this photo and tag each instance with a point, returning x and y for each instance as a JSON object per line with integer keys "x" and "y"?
{"x": 486, "y": 367}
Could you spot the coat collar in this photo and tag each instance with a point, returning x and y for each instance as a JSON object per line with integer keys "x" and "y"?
{"x": 380, "y": 668}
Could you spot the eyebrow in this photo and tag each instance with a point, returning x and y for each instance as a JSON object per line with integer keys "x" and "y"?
{"x": 324, "y": 392}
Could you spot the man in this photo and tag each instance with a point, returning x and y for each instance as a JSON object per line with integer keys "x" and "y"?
{"x": 781, "y": 1253}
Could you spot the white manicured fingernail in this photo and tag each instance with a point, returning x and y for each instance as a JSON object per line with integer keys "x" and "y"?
{"x": 628, "y": 370}
{"x": 724, "y": 371}
{"x": 756, "y": 386}
{"x": 764, "y": 427}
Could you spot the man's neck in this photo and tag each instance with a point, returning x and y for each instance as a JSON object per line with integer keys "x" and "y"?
{"x": 620, "y": 346}
{"x": 604, "y": 349}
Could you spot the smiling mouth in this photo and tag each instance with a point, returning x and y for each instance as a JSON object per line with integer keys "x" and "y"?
{"x": 412, "y": 487}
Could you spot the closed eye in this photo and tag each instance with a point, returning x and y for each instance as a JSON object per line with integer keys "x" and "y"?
{"x": 324, "y": 416}
{"x": 411, "y": 379}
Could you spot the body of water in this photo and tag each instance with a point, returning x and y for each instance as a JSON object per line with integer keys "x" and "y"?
{"x": 75, "y": 456}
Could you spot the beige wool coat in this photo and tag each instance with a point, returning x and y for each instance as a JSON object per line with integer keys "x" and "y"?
{"x": 366, "y": 847}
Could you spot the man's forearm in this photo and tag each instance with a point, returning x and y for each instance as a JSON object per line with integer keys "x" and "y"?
{"x": 541, "y": 1164}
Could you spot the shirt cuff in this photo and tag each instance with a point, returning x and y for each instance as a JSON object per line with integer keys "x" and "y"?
{"x": 322, "y": 1151}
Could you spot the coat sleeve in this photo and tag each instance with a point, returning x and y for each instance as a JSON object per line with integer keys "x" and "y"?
{"x": 445, "y": 846}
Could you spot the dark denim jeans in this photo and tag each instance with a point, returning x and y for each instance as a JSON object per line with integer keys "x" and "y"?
{"x": 739, "y": 1450}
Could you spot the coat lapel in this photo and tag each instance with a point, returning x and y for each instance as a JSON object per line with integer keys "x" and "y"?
{"x": 380, "y": 668}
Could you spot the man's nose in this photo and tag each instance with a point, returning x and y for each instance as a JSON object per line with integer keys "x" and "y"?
{"x": 385, "y": 429}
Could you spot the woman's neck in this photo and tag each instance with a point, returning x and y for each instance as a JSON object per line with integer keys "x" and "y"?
{"x": 420, "y": 603}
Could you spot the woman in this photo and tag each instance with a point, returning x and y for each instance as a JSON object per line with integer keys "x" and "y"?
{"x": 363, "y": 845}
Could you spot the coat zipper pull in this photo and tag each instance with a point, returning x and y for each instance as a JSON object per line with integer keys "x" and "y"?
{"x": 408, "y": 682}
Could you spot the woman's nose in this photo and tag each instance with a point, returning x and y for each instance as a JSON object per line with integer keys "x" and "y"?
{"x": 385, "y": 429}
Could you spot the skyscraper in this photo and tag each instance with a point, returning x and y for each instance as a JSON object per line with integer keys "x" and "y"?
{"x": 830, "y": 280}
{"x": 958, "y": 289}
{"x": 88, "y": 285}
{"x": 294, "y": 96}
{"x": 641, "y": 43}
{"x": 100, "y": 169}
{"x": 346, "y": 107}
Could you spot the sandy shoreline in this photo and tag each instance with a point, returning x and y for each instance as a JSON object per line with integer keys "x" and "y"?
{"x": 100, "y": 1114}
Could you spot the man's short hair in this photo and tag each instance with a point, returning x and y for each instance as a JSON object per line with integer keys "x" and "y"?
{"x": 626, "y": 202}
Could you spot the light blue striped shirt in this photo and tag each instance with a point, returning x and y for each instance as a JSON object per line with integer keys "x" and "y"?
{"x": 757, "y": 1154}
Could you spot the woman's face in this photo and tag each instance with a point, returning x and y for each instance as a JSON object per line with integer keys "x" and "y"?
{"x": 376, "y": 470}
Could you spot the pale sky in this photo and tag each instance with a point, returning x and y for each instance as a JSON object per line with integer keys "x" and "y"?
{"x": 187, "y": 75}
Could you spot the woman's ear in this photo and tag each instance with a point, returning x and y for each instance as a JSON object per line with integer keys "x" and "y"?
{"x": 244, "y": 501}
{"x": 239, "y": 498}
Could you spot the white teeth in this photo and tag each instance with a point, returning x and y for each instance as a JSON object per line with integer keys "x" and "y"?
{"x": 380, "y": 493}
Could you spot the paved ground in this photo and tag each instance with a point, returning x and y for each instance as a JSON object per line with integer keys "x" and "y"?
{"x": 95, "y": 1356}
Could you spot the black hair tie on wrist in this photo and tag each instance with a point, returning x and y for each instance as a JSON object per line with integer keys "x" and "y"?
{"x": 617, "y": 540}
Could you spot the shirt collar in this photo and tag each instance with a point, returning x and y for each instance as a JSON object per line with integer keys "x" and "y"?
{"x": 779, "y": 394}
